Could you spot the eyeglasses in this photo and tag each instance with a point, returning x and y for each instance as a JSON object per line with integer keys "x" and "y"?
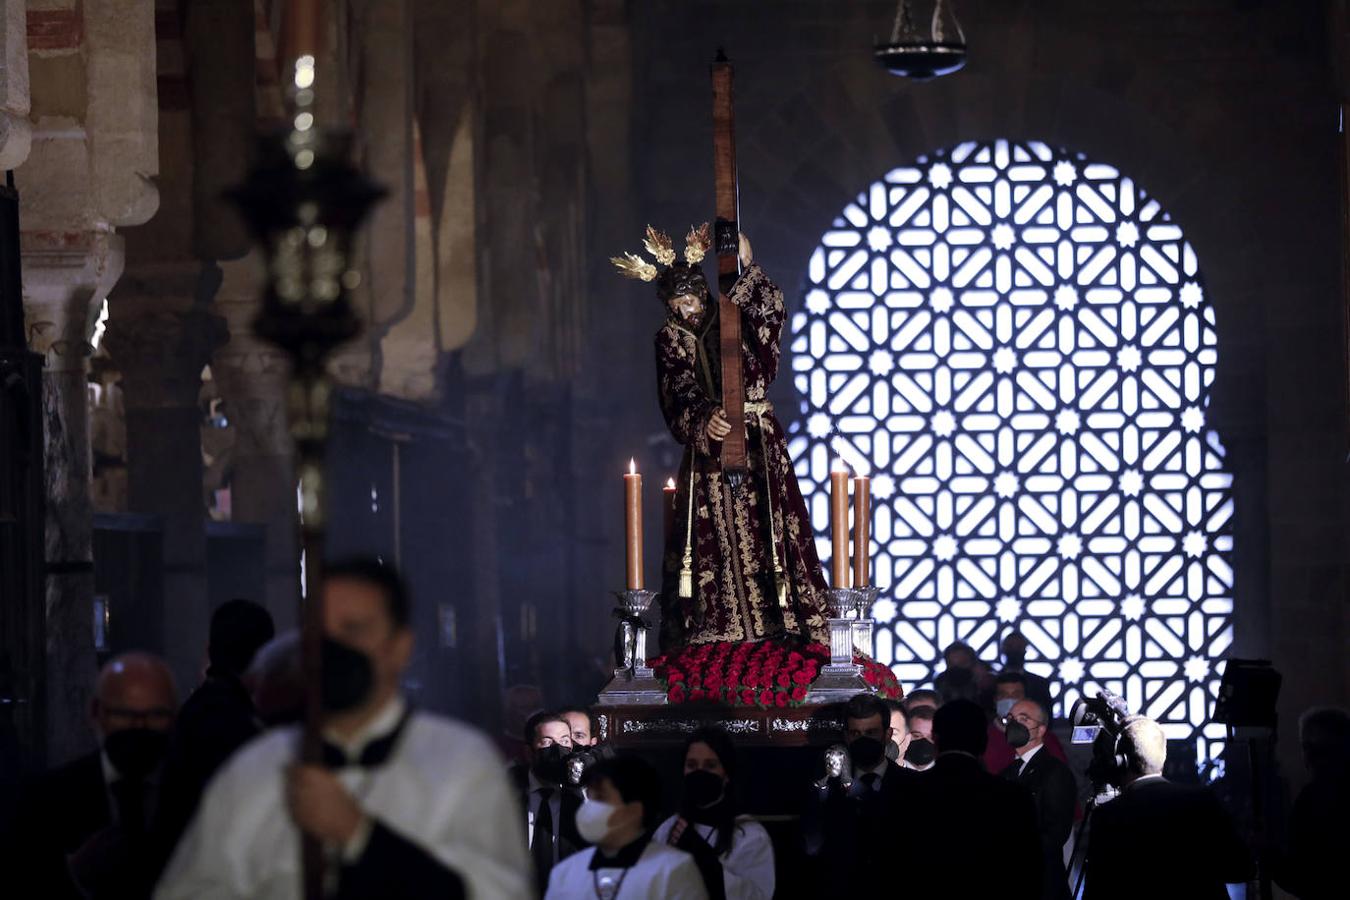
{"x": 1027, "y": 720}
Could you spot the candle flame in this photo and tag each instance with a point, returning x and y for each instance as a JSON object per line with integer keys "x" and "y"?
{"x": 632, "y": 466}
{"x": 670, "y": 484}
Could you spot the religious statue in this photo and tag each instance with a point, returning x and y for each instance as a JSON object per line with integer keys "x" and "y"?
{"x": 740, "y": 563}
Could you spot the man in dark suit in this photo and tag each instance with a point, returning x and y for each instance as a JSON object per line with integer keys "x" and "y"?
{"x": 548, "y": 802}
{"x": 1052, "y": 787}
{"x": 83, "y": 829}
{"x": 848, "y": 820}
{"x": 216, "y": 720}
{"x": 1158, "y": 838}
{"x": 976, "y": 832}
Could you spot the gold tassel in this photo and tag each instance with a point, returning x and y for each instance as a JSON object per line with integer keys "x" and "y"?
{"x": 687, "y": 570}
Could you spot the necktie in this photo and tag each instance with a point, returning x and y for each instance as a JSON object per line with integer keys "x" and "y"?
{"x": 1021, "y": 764}
{"x": 541, "y": 842}
{"x": 872, "y": 781}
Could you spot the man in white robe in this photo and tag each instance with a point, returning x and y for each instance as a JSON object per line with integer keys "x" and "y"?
{"x": 410, "y": 805}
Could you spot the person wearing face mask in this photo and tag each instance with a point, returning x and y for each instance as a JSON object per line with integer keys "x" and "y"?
{"x": 1052, "y": 787}
{"x": 920, "y": 754}
{"x": 581, "y": 722}
{"x": 847, "y": 821}
{"x": 621, "y": 809}
{"x": 83, "y": 830}
{"x": 733, "y": 852}
{"x": 549, "y": 800}
{"x": 405, "y": 805}
{"x": 1009, "y": 688}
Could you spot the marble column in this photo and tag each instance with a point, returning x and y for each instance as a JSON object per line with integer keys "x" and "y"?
{"x": 252, "y": 376}
{"x": 66, "y": 276}
{"x": 161, "y": 353}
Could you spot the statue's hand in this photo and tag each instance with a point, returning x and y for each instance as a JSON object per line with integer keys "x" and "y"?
{"x": 718, "y": 427}
{"x": 747, "y": 254}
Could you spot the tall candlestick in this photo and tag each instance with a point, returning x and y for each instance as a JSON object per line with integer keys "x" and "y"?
{"x": 668, "y": 510}
{"x": 632, "y": 520}
{"x": 839, "y": 528}
{"x": 862, "y": 531}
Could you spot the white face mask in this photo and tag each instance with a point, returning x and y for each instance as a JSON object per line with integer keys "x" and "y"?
{"x": 593, "y": 820}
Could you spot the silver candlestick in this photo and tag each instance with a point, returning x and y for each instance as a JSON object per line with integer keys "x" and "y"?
{"x": 864, "y": 625}
{"x": 841, "y": 678}
{"x": 634, "y": 682}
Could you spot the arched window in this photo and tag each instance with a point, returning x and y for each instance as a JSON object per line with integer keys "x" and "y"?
{"x": 1015, "y": 342}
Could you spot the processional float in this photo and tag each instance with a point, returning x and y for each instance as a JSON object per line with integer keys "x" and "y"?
{"x": 635, "y": 704}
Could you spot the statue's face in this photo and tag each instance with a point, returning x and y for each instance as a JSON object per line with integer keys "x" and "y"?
{"x": 687, "y": 292}
{"x": 835, "y": 760}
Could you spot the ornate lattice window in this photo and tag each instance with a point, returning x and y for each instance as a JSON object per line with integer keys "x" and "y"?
{"x": 1015, "y": 341}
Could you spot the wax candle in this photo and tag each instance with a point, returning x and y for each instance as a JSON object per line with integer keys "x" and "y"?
{"x": 862, "y": 531}
{"x": 632, "y": 520}
{"x": 839, "y": 528}
{"x": 668, "y": 509}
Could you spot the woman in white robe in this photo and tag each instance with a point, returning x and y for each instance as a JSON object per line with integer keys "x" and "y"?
{"x": 734, "y": 853}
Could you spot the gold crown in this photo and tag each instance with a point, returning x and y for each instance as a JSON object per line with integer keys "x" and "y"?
{"x": 658, "y": 244}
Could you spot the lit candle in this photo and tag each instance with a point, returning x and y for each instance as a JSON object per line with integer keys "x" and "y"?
{"x": 668, "y": 509}
{"x": 862, "y": 531}
{"x": 632, "y": 509}
{"x": 839, "y": 528}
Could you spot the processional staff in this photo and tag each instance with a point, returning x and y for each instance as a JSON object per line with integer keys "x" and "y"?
{"x": 303, "y": 202}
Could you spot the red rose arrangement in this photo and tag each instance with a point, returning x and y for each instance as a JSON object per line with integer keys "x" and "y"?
{"x": 766, "y": 674}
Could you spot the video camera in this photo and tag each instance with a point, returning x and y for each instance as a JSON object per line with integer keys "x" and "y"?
{"x": 579, "y": 761}
{"x": 1099, "y": 721}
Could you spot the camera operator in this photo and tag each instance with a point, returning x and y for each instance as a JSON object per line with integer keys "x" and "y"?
{"x": 1051, "y": 785}
{"x": 849, "y": 814}
{"x": 1158, "y": 838}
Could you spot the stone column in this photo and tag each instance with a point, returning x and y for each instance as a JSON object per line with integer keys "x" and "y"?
{"x": 161, "y": 353}
{"x": 65, "y": 278}
{"x": 252, "y": 376}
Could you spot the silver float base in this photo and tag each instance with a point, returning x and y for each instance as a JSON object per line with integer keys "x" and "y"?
{"x": 837, "y": 683}
{"x": 637, "y": 688}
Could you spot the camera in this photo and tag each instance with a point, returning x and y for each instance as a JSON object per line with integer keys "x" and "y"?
{"x": 578, "y": 761}
{"x": 1099, "y": 721}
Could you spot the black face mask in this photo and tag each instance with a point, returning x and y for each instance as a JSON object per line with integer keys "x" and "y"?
{"x": 348, "y": 677}
{"x": 1017, "y": 734}
{"x": 702, "y": 789}
{"x": 892, "y": 751}
{"x": 920, "y": 752}
{"x": 550, "y": 764}
{"x": 135, "y": 752}
{"x": 866, "y": 752}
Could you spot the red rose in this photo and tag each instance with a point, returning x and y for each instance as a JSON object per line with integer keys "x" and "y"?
{"x": 766, "y": 698}
{"x": 799, "y": 693}
{"x": 676, "y": 694}
{"x": 784, "y": 680}
{"x": 795, "y": 657}
{"x": 781, "y": 698}
{"x": 748, "y": 698}
{"x": 801, "y": 676}
{"x": 674, "y": 675}
{"x": 696, "y": 695}
{"x": 713, "y": 682}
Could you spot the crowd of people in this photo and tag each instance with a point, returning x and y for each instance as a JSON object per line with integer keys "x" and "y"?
{"x": 961, "y": 790}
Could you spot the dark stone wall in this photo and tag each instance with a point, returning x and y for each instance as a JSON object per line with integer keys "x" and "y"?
{"x": 1224, "y": 112}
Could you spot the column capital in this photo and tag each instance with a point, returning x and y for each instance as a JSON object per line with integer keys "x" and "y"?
{"x": 66, "y": 276}
{"x": 161, "y": 355}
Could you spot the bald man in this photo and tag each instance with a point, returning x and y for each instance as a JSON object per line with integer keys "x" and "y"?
{"x": 83, "y": 828}
{"x": 1159, "y": 838}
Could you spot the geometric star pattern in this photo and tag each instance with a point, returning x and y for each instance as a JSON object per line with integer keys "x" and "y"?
{"x": 1014, "y": 342}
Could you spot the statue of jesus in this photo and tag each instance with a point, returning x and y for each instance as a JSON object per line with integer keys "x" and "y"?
{"x": 741, "y": 563}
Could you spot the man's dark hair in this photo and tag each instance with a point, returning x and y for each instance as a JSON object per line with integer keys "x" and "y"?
{"x": 960, "y": 725}
{"x": 956, "y": 646}
{"x": 865, "y": 706}
{"x": 921, "y": 712}
{"x": 239, "y": 628}
{"x": 1011, "y": 678}
{"x": 635, "y": 780}
{"x": 539, "y": 718}
{"x": 379, "y": 575}
{"x": 923, "y": 697}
